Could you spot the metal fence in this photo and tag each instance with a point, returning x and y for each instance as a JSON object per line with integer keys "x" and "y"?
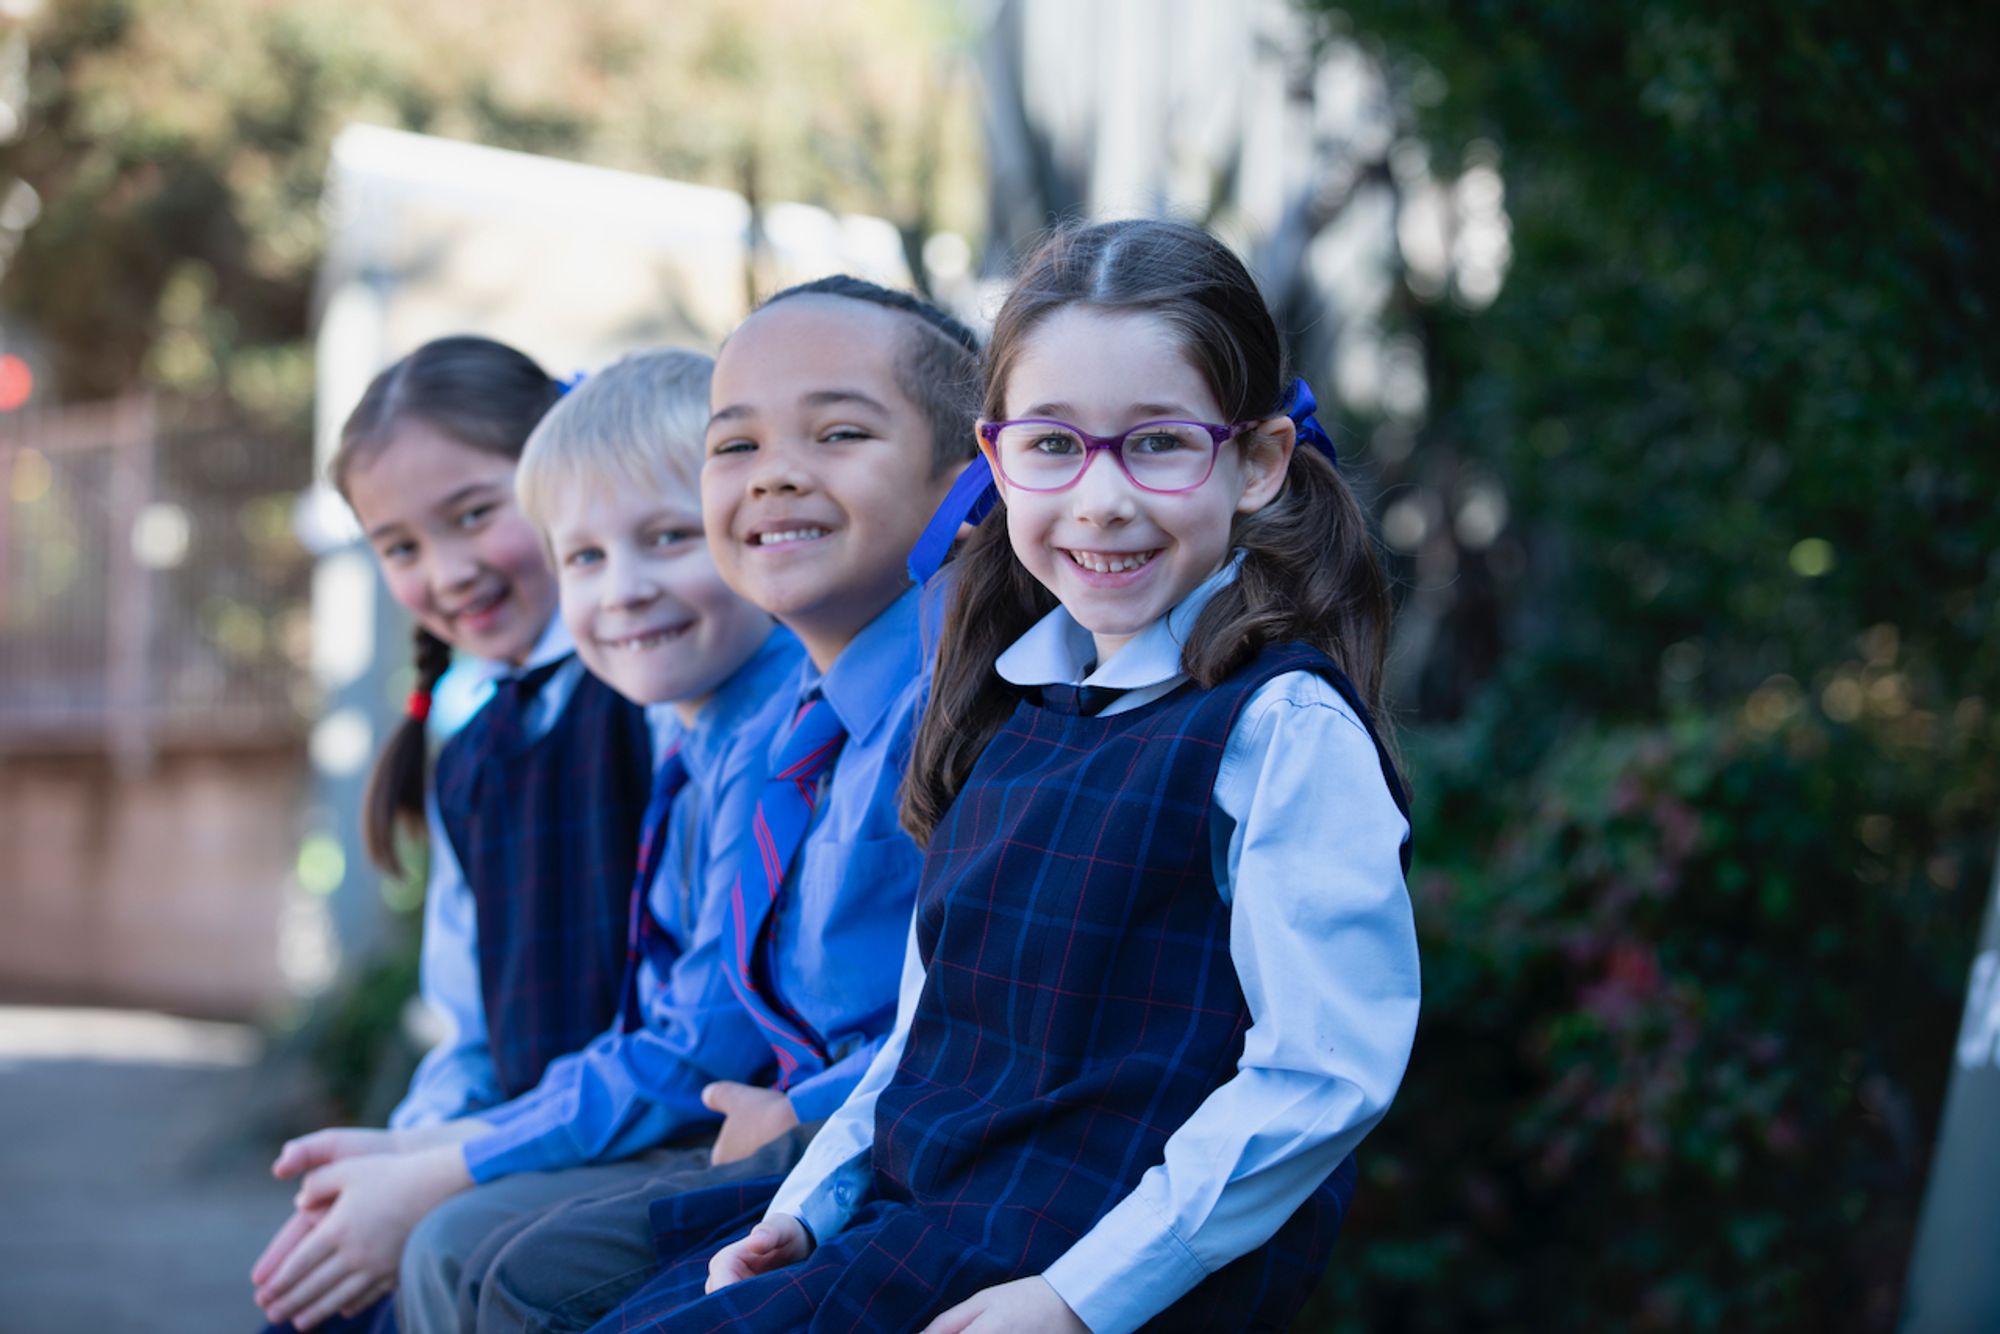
{"x": 151, "y": 588}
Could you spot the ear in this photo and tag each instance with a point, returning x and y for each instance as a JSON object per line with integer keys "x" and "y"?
{"x": 992, "y": 463}
{"x": 1267, "y": 454}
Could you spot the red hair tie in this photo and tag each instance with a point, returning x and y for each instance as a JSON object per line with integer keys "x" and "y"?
{"x": 418, "y": 706}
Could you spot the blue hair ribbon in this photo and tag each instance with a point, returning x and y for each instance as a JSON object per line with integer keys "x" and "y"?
{"x": 569, "y": 382}
{"x": 970, "y": 499}
{"x": 1301, "y": 410}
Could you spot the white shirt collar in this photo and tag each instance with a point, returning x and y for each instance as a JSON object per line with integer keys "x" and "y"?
{"x": 554, "y": 643}
{"x": 1057, "y": 651}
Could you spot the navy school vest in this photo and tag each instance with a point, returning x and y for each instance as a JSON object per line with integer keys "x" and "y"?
{"x": 547, "y": 831}
{"x": 1080, "y": 1001}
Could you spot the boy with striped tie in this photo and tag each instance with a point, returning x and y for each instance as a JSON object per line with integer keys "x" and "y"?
{"x": 842, "y": 415}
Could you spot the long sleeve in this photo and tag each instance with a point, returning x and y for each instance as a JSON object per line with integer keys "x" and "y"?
{"x": 627, "y": 1092}
{"x": 456, "y": 1077}
{"x": 1324, "y": 944}
{"x": 831, "y": 1179}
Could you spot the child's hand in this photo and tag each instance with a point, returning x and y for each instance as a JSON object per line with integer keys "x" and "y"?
{"x": 303, "y": 1154}
{"x": 1024, "y": 1304}
{"x": 778, "y": 1241}
{"x": 751, "y": 1118}
{"x": 367, "y": 1206}
{"x": 282, "y": 1242}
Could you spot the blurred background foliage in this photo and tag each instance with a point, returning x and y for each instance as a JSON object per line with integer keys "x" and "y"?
{"x": 1705, "y": 746}
{"x": 180, "y": 150}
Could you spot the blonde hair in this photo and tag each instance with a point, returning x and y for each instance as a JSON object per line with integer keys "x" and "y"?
{"x": 638, "y": 422}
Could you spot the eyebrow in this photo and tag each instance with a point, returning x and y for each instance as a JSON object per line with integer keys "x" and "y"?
{"x": 818, "y": 398}
{"x": 1136, "y": 411}
{"x": 824, "y": 398}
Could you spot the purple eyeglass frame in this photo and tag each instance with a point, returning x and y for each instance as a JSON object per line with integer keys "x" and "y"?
{"x": 1112, "y": 444}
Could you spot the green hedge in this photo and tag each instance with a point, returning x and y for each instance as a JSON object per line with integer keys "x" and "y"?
{"x": 1699, "y": 859}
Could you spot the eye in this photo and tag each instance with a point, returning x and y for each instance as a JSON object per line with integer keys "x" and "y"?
{"x": 839, "y": 435}
{"x": 1155, "y": 442}
{"x": 733, "y": 445}
{"x": 583, "y": 558}
{"x": 1055, "y": 443}
{"x": 673, "y": 537}
{"x": 474, "y": 515}
{"x": 397, "y": 552}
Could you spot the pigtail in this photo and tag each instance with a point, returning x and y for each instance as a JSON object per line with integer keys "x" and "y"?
{"x": 1309, "y": 573}
{"x": 393, "y": 806}
{"x": 993, "y": 602}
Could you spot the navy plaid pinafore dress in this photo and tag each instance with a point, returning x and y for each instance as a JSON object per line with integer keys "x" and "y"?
{"x": 546, "y": 830}
{"x": 1079, "y": 1003}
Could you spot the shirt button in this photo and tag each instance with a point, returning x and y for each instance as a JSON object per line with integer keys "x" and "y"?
{"x": 843, "y": 1194}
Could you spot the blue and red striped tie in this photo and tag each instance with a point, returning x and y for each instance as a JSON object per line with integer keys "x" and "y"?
{"x": 641, "y": 926}
{"x": 783, "y": 812}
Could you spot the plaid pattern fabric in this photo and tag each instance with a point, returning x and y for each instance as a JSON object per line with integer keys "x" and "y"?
{"x": 546, "y": 830}
{"x": 1079, "y": 1005}
{"x": 783, "y": 811}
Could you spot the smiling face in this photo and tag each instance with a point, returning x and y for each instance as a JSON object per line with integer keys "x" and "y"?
{"x": 819, "y": 474}
{"x": 454, "y": 550}
{"x": 640, "y": 595}
{"x": 1118, "y": 558}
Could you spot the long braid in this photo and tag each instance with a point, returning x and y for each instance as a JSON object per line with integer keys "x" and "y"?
{"x": 394, "y": 802}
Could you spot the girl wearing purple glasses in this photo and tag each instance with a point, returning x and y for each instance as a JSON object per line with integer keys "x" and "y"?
{"x": 1163, "y": 972}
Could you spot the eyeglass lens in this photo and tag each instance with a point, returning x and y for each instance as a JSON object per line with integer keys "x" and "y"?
{"x": 1165, "y": 456}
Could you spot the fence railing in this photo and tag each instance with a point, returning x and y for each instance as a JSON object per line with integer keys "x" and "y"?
{"x": 151, "y": 589}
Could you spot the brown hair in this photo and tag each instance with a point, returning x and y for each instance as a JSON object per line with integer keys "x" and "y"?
{"x": 1309, "y": 571}
{"x": 488, "y": 397}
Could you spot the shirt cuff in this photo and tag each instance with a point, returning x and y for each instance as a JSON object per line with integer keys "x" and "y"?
{"x": 507, "y": 1113}
{"x": 827, "y": 1207}
{"x": 521, "y": 1144}
{"x": 1126, "y": 1270}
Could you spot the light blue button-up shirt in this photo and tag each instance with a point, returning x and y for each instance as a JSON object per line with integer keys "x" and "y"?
{"x": 1306, "y": 844}
{"x": 851, "y": 888}
{"x": 456, "y": 1077}
{"x": 626, "y": 1092}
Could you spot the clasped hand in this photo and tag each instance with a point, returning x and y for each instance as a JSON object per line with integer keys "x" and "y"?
{"x": 362, "y": 1192}
{"x": 1027, "y": 1305}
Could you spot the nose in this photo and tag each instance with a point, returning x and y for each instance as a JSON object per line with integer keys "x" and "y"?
{"x": 627, "y": 583}
{"x": 453, "y": 566}
{"x": 779, "y": 470}
{"x": 1102, "y": 495}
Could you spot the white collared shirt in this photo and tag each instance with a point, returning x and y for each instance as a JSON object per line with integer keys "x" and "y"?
{"x": 1307, "y": 846}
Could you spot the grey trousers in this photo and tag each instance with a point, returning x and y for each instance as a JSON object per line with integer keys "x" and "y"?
{"x": 548, "y": 1251}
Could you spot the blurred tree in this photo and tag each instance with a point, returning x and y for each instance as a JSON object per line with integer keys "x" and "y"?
{"x": 181, "y": 149}
{"x": 1701, "y": 843}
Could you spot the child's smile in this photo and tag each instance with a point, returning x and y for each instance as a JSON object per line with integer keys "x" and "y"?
{"x": 1111, "y": 566}
{"x": 1119, "y": 557}
{"x": 455, "y": 550}
{"x": 819, "y": 473}
{"x": 641, "y": 596}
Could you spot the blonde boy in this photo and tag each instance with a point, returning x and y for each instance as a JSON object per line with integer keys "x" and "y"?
{"x": 611, "y": 479}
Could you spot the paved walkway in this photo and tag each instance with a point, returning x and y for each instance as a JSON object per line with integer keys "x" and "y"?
{"x": 130, "y": 1197}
